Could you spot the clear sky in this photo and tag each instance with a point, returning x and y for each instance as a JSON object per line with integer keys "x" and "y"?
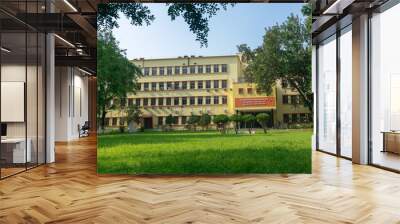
{"x": 242, "y": 23}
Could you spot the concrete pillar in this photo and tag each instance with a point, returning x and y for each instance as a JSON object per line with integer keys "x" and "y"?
{"x": 50, "y": 99}
{"x": 360, "y": 89}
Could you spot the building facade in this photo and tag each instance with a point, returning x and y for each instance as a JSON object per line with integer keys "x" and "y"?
{"x": 214, "y": 85}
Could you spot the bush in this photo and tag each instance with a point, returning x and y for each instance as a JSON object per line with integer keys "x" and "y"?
{"x": 221, "y": 121}
{"x": 262, "y": 119}
{"x": 204, "y": 121}
{"x": 236, "y": 119}
{"x": 193, "y": 121}
{"x": 249, "y": 120}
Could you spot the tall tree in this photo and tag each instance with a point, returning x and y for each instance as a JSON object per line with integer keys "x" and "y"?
{"x": 285, "y": 55}
{"x": 196, "y": 15}
{"x": 117, "y": 76}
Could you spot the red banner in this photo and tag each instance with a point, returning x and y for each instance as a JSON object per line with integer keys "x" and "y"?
{"x": 268, "y": 101}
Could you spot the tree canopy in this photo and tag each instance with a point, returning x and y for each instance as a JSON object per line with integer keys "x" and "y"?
{"x": 285, "y": 55}
{"x": 117, "y": 76}
{"x": 196, "y": 15}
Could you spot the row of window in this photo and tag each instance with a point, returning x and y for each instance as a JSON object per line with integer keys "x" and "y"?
{"x": 291, "y": 99}
{"x": 297, "y": 118}
{"x": 200, "y": 84}
{"x": 192, "y": 69}
{"x": 178, "y": 101}
{"x": 250, "y": 91}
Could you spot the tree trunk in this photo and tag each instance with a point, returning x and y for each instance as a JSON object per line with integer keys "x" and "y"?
{"x": 103, "y": 118}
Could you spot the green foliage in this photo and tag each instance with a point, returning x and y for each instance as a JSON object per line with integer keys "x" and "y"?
{"x": 116, "y": 77}
{"x": 205, "y": 152}
{"x": 170, "y": 120}
{"x": 205, "y": 120}
{"x": 285, "y": 55}
{"x": 249, "y": 119}
{"x": 236, "y": 119}
{"x": 133, "y": 114}
{"x": 193, "y": 121}
{"x": 221, "y": 121}
{"x": 262, "y": 119}
{"x": 196, "y": 15}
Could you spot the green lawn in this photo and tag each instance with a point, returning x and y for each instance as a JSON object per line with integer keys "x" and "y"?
{"x": 204, "y": 152}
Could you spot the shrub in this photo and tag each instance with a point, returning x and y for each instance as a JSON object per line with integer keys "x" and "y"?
{"x": 193, "y": 121}
{"x": 249, "y": 120}
{"x": 262, "y": 119}
{"x": 221, "y": 121}
{"x": 236, "y": 119}
{"x": 204, "y": 121}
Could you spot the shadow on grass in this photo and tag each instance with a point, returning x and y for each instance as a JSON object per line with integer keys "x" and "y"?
{"x": 211, "y": 161}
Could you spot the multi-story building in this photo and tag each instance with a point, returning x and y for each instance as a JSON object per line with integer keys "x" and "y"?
{"x": 187, "y": 86}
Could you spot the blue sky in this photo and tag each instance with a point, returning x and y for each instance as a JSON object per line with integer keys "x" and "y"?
{"x": 242, "y": 23}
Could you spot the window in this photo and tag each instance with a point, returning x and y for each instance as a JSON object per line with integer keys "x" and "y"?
{"x": 208, "y": 100}
{"x": 216, "y": 68}
{"x": 168, "y": 101}
{"x": 294, "y": 99}
{"x": 200, "y": 69}
{"x": 208, "y": 68}
{"x": 161, "y": 70}
{"x": 184, "y": 101}
{"x": 183, "y": 120}
{"x": 107, "y": 121}
{"x": 153, "y": 86}
{"x": 224, "y": 84}
{"x": 161, "y": 86}
{"x": 216, "y": 84}
{"x": 303, "y": 118}
{"x": 169, "y": 70}
{"x": 192, "y": 100}
{"x": 146, "y": 86}
{"x": 184, "y": 85}
{"x": 184, "y": 70}
{"x": 192, "y": 69}
{"x": 137, "y": 103}
{"x": 199, "y": 100}
{"x": 146, "y": 71}
{"x": 192, "y": 84}
{"x": 327, "y": 98}
{"x": 153, "y": 101}
{"x": 208, "y": 84}
{"x": 169, "y": 85}
{"x": 176, "y": 101}
{"x": 241, "y": 92}
{"x": 216, "y": 99}
{"x": 295, "y": 118}
{"x": 130, "y": 102}
{"x": 285, "y": 84}
{"x": 249, "y": 90}
{"x": 224, "y": 100}
{"x": 285, "y": 99}
{"x": 177, "y": 70}
{"x": 199, "y": 84}
{"x": 176, "y": 85}
{"x": 154, "y": 71}
{"x": 160, "y": 121}
{"x": 160, "y": 101}
{"x": 114, "y": 121}
{"x": 285, "y": 118}
{"x": 224, "y": 68}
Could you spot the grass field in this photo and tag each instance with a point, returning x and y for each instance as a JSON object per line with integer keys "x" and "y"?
{"x": 204, "y": 153}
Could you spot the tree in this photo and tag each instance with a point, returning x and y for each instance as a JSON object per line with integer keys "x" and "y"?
{"x": 236, "y": 119}
{"x": 204, "y": 121}
{"x": 262, "y": 119}
{"x": 221, "y": 121}
{"x": 249, "y": 121}
{"x": 133, "y": 115}
{"x": 284, "y": 55}
{"x": 193, "y": 121}
{"x": 117, "y": 76}
{"x": 196, "y": 15}
{"x": 170, "y": 120}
